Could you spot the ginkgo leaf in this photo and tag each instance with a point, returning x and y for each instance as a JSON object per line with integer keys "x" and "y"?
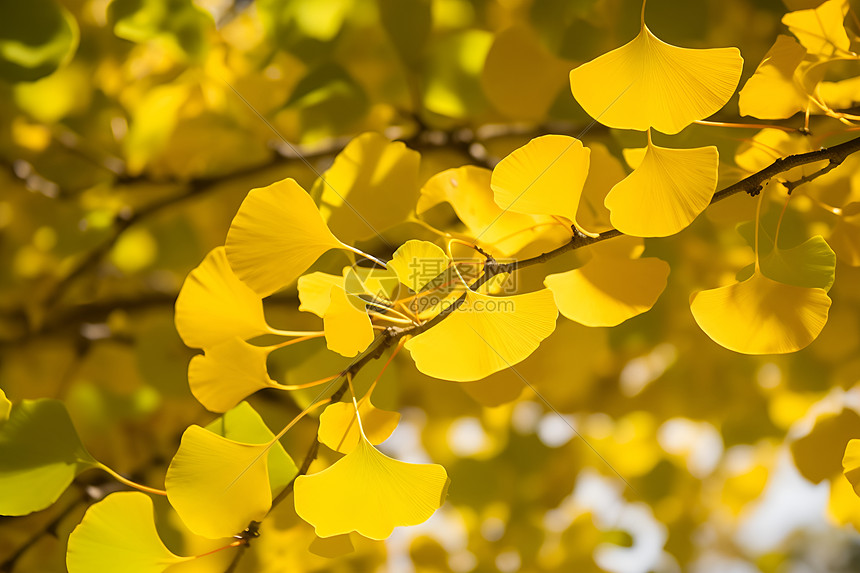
{"x": 120, "y": 529}
{"x": 818, "y": 453}
{"x": 483, "y": 335}
{"x": 845, "y": 238}
{"x": 276, "y": 235}
{"x": 214, "y": 305}
{"x": 604, "y": 173}
{"x": 348, "y": 329}
{"x": 40, "y": 455}
{"x": 315, "y": 292}
{"x": 607, "y": 291}
{"x": 216, "y": 485}
{"x": 761, "y": 316}
{"x": 544, "y": 177}
{"x": 228, "y": 373}
{"x": 649, "y": 83}
{"x": 851, "y": 464}
{"x": 773, "y": 91}
{"x": 339, "y": 427}
{"x": 370, "y": 493}
{"x": 468, "y": 191}
{"x": 521, "y": 78}
{"x": 811, "y": 264}
{"x": 418, "y": 263}
{"x": 244, "y": 424}
{"x": 666, "y": 192}
{"x": 331, "y": 547}
{"x": 370, "y": 172}
{"x": 821, "y": 30}
{"x": 5, "y": 406}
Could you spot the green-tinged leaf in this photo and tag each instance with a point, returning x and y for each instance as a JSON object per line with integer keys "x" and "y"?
{"x": 244, "y": 424}
{"x": 120, "y": 529}
{"x": 178, "y": 22}
{"x": 40, "y": 455}
{"x": 812, "y": 264}
{"x": 36, "y": 38}
{"x": 453, "y": 87}
{"x": 329, "y": 98}
{"x": 217, "y": 485}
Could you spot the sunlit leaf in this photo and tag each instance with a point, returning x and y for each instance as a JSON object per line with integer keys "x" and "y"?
{"x": 851, "y": 464}
{"x": 544, "y": 177}
{"x": 179, "y": 23}
{"x": 370, "y": 493}
{"x": 484, "y": 335}
{"x": 417, "y": 263}
{"x": 216, "y": 485}
{"x": 244, "y": 424}
{"x": 761, "y": 316}
{"x": 845, "y": 238}
{"x": 339, "y": 427}
{"x": 214, "y": 306}
{"x": 348, "y": 329}
{"x": 228, "y": 373}
{"x": 276, "y": 235}
{"x": 468, "y": 191}
{"x": 40, "y": 455}
{"x": 370, "y": 172}
{"x": 773, "y": 91}
{"x": 607, "y": 291}
{"x": 649, "y": 83}
{"x": 36, "y": 38}
{"x": 315, "y": 291}
{"x": 119, "y": 529}
{"x": 665, "y": 193}
{"x": 604, "y": 173}
{"x": 821, "y": 29}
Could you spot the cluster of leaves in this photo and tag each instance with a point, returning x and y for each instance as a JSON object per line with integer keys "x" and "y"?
{"x": 462, "y": 263}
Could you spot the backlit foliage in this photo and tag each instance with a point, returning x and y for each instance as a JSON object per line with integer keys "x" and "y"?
{"x": 429, "y": 285}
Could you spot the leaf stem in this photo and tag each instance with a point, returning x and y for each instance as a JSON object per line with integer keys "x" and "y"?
{"x": 129, "y": 483}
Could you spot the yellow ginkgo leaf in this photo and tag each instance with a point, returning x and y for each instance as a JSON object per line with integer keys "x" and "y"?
{"x": 315, "y": 292}
{"x": 761, "y": 316}
{"x": 603, "y": 174}
{"x": 521, "y": 78}
{"x": 370, "y": 493}
{"x": 484, "y": 335}
{"x": 276, "y": 235}
{"x": 773, "y": 91}
{"x": 348, "y": 329}
{"x": 851, "y": 464}
{"x": 372, "y": 185}
{"x": 228, "y": 373}
{"x": 821, "y": 30}
{"x": 339, "y": 427}
{"x": 120, "y": 529}
{"x": 544, "y": 177}
{"x": 418, "y": 263}
{"x": 665, "y": 192}
{"x": 649, "y": 83}
{"x": 468, "y": 191}
{"x": 214, "y": 305}
{"x": 845, "y": 238}
{"x": 607, "y": 291}
{"x": 218, "y": 486}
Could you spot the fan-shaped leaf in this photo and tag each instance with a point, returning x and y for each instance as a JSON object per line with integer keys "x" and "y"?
{"x": 773, "y": 91}
{"x": 228, "y": 373}
{"x": 821, "y": 30}
{"x": 339, "y": 427}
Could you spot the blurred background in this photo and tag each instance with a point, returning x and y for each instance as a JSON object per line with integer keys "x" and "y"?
{"x": 131, "y": 130}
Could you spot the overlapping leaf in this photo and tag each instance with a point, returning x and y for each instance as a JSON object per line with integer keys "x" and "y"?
{"x": 276, "y": 235}
{"x": 483, "y": 335}
{"x": 370, "y": 493}
{"x": 821, "y": 29}
{"x": 339, "y": 426}
{"x": 774, "y": 90}
{"x": 761, "y": 316}
{"x": 217, "y": 485}
{"x": 665, "y": 192}
{"x": 40, "y": 455}
{"x": 120, "y": 529}
{"x": 214, "y": 306}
